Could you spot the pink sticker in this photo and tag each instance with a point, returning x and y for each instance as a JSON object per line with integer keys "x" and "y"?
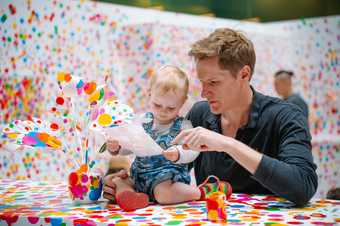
{"x": 29, "y": 140}
{"x": 84, "y": 178}
{"x": 101, "y": 111}
{"x": 94, "y": 114}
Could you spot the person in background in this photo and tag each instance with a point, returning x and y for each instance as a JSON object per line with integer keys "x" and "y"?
{"x": 284, "y": 87}
{"x": 161, "y": 178}
{"x": 334, "y": 193}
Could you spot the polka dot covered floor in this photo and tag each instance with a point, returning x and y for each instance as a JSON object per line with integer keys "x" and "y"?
{"x": 24, "y": 202}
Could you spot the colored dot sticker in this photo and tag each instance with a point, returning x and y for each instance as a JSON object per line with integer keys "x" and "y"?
{"x": 104, "y": 120}
{"x": 60, "y": 100}
{"x": 54, "y": 126}
{"x": 28, "y": 140}
{"x": 3, "y": 18}
{"x": 90, "y": 87}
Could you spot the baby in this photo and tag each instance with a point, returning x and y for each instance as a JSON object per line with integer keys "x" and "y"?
{"x": 162, "y": 178}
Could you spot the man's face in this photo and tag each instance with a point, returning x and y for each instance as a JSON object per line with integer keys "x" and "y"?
{"x": 219, "y": 87}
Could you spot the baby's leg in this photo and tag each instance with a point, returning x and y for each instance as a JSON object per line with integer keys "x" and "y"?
{"x": 126, "y": 196}
{"x": 169, "y": 192}
{"x": 123, "y": 184}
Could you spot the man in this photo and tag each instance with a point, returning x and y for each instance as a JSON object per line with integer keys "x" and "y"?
{"x": 258, "y": 143}
{"x": 283, "y": 86}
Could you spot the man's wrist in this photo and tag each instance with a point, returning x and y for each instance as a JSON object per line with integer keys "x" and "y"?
{"x": 228, "y": 145}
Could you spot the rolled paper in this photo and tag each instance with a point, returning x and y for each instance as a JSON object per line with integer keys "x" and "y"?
{"x": 215, "y": 205}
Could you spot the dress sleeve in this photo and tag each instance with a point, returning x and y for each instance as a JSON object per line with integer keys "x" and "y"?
{"x": 186, "y": 124}
{"x": 185, "y": 156}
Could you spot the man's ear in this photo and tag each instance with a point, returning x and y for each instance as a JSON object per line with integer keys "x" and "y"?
{"x": 245, "y": 72}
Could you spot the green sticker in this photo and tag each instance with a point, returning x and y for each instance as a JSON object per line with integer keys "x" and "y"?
{"x": 102, "y": 148}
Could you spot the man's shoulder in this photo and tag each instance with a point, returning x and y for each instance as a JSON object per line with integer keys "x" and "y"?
{"x": 274, "y": 106}
{"x": 199, "y": 111}
{"x": 297, "y": 99}
{"x": 201, "y": 106}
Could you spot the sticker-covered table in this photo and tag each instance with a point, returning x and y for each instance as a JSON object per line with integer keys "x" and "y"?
{"x": 47, "y": 203}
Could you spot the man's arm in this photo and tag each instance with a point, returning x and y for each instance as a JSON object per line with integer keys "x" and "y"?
{"x": 292, "y": 175}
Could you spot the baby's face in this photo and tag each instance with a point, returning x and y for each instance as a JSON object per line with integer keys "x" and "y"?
{"x": 165, "y": 107}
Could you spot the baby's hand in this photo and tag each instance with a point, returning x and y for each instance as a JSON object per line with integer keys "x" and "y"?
{"x": 171, "y": 154}
{"x": 113, "y": 146}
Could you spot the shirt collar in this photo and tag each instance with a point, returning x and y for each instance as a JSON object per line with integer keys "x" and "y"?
{"x": 214, "y": 122}
{"x": 254, "y": 109}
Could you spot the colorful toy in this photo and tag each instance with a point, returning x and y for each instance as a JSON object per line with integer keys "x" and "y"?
{"x": 84, "y": 187}
{"x": 216, "y": 202}
{"x": 74, "y": 107}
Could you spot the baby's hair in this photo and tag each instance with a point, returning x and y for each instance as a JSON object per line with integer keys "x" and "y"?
{"x": 170, "y": 78}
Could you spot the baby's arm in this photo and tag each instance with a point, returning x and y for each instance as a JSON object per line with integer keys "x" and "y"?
{"x": 186, "y": 156}
{"x": 180, "y": 156}
{"x": 177, "y": 154}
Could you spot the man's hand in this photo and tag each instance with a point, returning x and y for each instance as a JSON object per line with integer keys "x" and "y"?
{"x": 109, "y": 186}
{"x": 201, "y": 139}
{"x": 113, "y": 146}
{"x": 171, "y": 154}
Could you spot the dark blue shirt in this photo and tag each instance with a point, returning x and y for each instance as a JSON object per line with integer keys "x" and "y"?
{"x": 278, "y": 130}
{"x": 297, "y": 100}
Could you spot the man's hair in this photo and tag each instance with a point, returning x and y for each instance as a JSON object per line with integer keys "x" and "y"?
{"x": 231, "y": 47}
{"x": 280, "y": 72}
{"x": 170, "y": 78}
